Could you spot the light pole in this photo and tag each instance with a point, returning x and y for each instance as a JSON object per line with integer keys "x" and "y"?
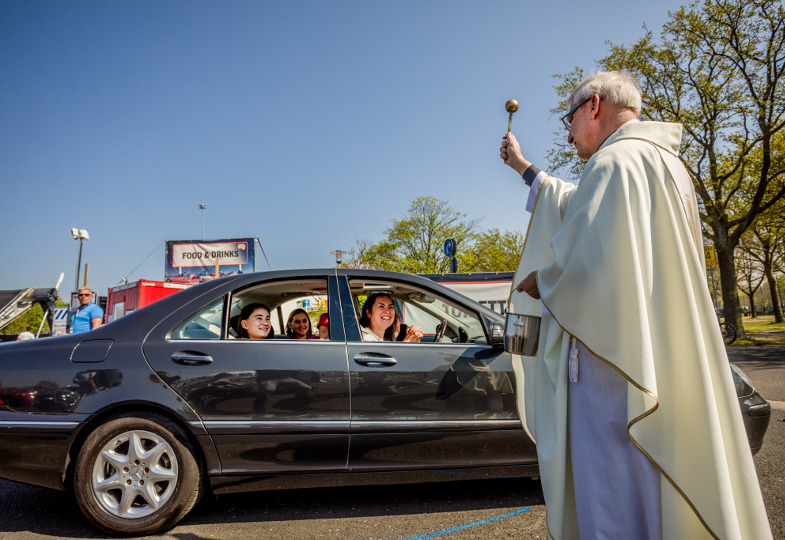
{"x": 201, "y": 207}
{"x": 338, "y": 253}
{"x": 81, "y": 235}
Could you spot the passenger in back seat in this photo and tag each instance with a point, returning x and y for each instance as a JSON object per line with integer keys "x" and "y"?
{"x": 299, "y": 325}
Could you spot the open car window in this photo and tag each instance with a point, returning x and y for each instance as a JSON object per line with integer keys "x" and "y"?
{"x": 423, "y": 308}
{"x": 281, "y": 297}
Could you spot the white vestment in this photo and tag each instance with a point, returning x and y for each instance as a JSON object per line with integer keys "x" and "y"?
{"x": 619, "y": 267}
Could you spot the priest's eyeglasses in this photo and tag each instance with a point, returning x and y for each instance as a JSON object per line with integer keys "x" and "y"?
{"x": 567, "y": 118}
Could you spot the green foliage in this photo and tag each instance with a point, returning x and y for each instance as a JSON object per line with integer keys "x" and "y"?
{"x": 414, "y": 244}
{"x": 32, "y": 318}
{"x": 718, "y": 68}
{"x": 494, "y": 251}
{"x": 562, "y": 157}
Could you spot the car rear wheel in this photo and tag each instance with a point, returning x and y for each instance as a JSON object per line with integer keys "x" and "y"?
{"x": 136, "y": 475}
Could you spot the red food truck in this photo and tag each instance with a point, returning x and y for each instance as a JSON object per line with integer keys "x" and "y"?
{"x": 124, "y": 299}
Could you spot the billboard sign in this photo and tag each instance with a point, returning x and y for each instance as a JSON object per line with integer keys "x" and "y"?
{"x": 194, "y": 261}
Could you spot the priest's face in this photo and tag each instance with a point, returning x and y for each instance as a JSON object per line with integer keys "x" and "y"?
{"x": 584, "y": 124}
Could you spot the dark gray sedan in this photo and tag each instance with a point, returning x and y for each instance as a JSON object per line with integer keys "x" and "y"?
{"x": 142, "y": 416}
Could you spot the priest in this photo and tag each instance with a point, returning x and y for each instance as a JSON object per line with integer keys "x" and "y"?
{"x": 630, "y": 398}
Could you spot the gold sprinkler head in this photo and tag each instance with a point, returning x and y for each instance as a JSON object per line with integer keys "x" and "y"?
{"x": 511, "y": 106}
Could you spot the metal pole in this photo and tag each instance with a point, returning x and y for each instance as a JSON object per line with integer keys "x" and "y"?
{"x": 41, "y": 326}
{"x": 263, "y": 254}
{"x": 78, "y": 265}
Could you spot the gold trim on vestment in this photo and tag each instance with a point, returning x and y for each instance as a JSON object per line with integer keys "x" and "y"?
{"x": 525, "y": 240}
{"x": 623, "y": 374}
{"x": 636, "y": 420}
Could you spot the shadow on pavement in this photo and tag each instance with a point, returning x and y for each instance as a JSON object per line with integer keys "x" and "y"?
{"x": 42, "y": 512}
{"x": 758, "y": 357}
{"x": 368, "y": 501}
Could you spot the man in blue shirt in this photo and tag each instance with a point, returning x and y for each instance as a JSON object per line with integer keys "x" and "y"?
{"x": 89, "y": 316}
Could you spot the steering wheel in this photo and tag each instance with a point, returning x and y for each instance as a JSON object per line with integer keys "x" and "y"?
{"x": 440, "y": 329}
{"x": 463, "y": 336}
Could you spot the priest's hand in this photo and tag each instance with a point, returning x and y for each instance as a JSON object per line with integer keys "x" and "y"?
{"x": 510, "y": 152}
{"x": 529, "y": 286}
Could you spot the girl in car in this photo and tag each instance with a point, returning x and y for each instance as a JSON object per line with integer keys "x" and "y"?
{"x": 255, "y": 322}
{"x": 378, "y": 315}
{"x": 299, "y": 325}
{"x": 323, "y": 326}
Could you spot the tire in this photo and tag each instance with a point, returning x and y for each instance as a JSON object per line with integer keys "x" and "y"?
{"x": 137, "y": 474}
{"x": 728, "y": 333}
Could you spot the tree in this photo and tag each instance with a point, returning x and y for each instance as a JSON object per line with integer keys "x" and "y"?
{"x": 764, "y": 244}
{"x": 32, "y": 318}
{"x": 718, "y": 69}
{"x": 414, "y": 243}
{"x": 750, "y": 274}
{"x": 494, "y": 251}
{"x": 356, "y": 257}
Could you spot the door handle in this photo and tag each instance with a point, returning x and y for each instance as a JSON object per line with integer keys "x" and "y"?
{"x": 190, "y": 358}
{"x": 370, "y": 359}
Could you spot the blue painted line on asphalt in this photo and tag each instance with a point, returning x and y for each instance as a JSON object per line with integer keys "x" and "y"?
{"x": 454, "y": 529}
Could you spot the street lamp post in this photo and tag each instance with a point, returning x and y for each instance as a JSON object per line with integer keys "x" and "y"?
{"x": 201, "y": 207}
{"x": 338, "y": 254}
{"x": 81, "y": 235}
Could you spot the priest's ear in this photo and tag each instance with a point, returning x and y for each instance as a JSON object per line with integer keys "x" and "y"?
{"x": 595, "y": 106}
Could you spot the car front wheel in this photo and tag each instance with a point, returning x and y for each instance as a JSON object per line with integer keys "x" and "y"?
{"x": 136, "y": 475}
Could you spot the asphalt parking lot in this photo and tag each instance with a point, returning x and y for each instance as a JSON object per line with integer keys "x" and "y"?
{"x": 503, "y": 508}
{"x": 766, "y": 368}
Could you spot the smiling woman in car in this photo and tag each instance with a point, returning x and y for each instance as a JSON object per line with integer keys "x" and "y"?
{"x": 378, "y": 314}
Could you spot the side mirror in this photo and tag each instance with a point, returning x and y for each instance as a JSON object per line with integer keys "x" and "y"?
{"x": 495, "y": 334}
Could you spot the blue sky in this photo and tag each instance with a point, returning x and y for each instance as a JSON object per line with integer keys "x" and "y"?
{"x": 308, "y": 124}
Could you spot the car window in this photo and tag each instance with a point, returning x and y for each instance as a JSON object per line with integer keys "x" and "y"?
{"x": 281, "y": 298}
{"x": 424, "y": 308}
{"x": 204, "y": 324}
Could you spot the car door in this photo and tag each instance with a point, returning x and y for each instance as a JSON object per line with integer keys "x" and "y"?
{"x": 271, "y": 405}
{"x": 430, "y": 404}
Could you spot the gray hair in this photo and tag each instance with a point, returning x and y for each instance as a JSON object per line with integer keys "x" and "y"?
{"x": 80, "y": 289}
{"x": 620, "y": 87}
